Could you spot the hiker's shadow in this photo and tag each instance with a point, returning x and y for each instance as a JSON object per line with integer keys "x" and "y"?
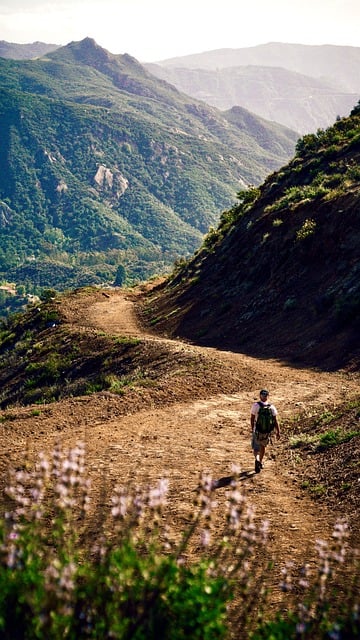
{"x": 227, "y": 480}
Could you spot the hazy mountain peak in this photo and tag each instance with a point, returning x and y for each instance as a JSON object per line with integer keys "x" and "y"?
{"x": 301, "y": 86}
{"x": 86, "y": 51}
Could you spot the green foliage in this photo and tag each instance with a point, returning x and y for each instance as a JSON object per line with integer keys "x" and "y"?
{"x": 290, "y": 627}
{"x": 120, "y": 277}
{"x": 307, "y": 229}
{"x": 13, "y": 301}
{"x": 335, "y": 437}
{"x": 106, "y": 158}
{"x": 330, "y": 139}
{"x": 229, "y": 218}
{"x": 211, "y": 238}
{"x": 322, "y": 441}
{"x": 142, "y": 580}
{"x": 127, "y": 340}
{"x": 247, "y": 197}
{"x": 38, "y": 346}
{"x": 319, "y": 169}
{"x": 317, "y": 612}
{"x": 132, "y": 583}
{"x": 290, "y": 303}
{"x": 47, "y": 295}
{"x": 356, "y": 110}
{"x": 295, "y": 195}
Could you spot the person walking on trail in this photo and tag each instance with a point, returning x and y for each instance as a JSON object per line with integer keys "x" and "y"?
{"x": 263, "y": 422}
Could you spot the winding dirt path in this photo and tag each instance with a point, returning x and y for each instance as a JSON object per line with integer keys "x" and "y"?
{"x": 185, "y": 438}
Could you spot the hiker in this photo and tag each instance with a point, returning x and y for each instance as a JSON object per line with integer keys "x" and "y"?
{"x": 263, "y": 422}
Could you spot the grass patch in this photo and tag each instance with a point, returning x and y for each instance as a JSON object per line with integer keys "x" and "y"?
{"x": 128, "y": 341}
{"x": 335, "y": 437}
{"x": 322, "y": 441}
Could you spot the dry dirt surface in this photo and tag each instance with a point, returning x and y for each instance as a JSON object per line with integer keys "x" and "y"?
{"x": 179, "y": 439}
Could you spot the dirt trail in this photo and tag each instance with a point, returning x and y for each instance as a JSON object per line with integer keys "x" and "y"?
{"x": 185, "y": 438}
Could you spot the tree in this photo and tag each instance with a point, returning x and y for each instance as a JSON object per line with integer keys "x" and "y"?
{"x": 120, "y": 276}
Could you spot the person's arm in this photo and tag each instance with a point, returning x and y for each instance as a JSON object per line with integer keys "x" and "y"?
{"x": 277, "y": 428}
{"x": 252, "y": 421}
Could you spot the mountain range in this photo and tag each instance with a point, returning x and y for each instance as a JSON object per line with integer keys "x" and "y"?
{"x": 25, "y": 51}
{"x": 127, "y": 376}
{"x": 106, "y": 167}
{"x": 274, "y": 290}
{"x": 333, "y": 63}
{"x": 303, "y": 87}
{"x": 300, "y": 86}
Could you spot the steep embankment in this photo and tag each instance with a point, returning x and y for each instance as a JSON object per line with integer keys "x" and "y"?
{"x": 279, "y": 277}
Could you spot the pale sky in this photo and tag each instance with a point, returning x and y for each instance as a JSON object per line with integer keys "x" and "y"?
{"x": 153, "y": 30}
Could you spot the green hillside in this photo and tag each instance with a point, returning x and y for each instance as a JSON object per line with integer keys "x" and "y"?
{"x": 280, "y": 276}
{"x": 106, "y": 167}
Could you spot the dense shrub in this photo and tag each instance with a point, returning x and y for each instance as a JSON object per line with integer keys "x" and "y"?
{"x": 134, "y": 579}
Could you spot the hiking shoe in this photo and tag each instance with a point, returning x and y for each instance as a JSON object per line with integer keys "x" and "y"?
{"x": 258, "y": 466}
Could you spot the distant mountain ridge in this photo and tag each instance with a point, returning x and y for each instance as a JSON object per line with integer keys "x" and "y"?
{"x": 327, "y": 62}
{"x": 303, "y": 87}
{"x": 297, "y": 101}
{"x": 106, "y": 166}
{"x": 25, "y": 51}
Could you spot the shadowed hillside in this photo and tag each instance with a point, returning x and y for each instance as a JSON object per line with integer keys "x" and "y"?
{"x": 280, "y": 276}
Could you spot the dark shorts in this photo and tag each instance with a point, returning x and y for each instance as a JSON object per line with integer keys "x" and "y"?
{"x": 259, "y": 439}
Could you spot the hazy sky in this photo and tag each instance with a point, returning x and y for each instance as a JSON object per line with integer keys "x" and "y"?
{"x": 152, "y": 30}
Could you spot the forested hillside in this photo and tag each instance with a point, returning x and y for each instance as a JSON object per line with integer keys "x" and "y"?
{"x": 109, "y": 174}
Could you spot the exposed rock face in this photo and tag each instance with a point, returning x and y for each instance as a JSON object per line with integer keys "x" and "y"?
{"x": 5, "y": 214}
{"x": 62, "y": 186}
{"x": 104, "y": 177}
{"x": 111, "y": 180}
